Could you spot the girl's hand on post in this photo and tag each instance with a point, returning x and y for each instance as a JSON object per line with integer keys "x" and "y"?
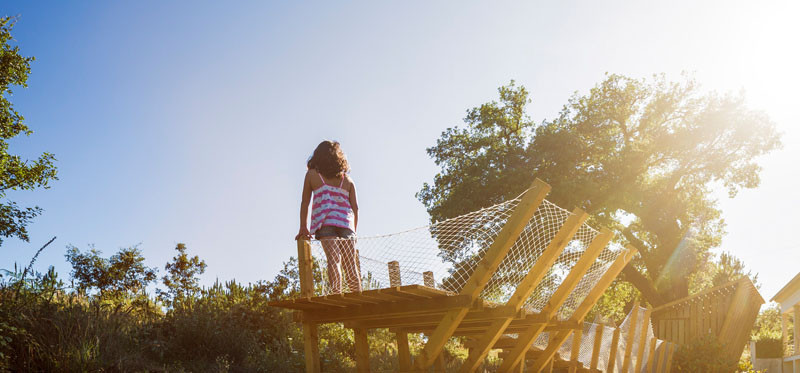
{"x": 304, "y": 234}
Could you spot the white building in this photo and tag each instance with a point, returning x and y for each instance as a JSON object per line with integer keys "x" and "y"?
{"x": 788, "y": 299}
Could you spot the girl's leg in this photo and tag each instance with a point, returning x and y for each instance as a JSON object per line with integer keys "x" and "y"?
{"x": 333, "y": 253}
{"x": 350, "y": 264}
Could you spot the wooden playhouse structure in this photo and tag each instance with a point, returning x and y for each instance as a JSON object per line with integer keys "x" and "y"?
{"x": 525, "y": 288}
{"x": 727, "y": 312}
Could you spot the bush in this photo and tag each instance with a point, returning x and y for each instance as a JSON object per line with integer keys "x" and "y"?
{"x": 703, "y": 355}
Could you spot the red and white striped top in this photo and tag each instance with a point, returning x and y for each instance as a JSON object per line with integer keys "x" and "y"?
{"x": 331, "y": 206}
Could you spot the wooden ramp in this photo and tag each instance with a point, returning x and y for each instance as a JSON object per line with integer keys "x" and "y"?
{"x": 441, "y": 314}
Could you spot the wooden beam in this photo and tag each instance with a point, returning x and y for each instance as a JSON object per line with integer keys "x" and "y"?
{"x": 527, "y": 286}
{"x": 642, "y": 340}
{"x": 362, "y": 350}
{"x": 403, "y": 352}
{"x": 483, "y": 272}
{"x": 588, "y": 302}
{"x": 387, "y": 309}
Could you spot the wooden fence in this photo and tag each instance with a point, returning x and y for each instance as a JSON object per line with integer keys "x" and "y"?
{"x": 727, "y": 312}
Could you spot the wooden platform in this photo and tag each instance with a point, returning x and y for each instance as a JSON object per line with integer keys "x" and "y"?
{"x": 411, "y": 309}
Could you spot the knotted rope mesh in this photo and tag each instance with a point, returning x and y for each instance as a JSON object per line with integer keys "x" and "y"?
{"x": 444, "y": 255}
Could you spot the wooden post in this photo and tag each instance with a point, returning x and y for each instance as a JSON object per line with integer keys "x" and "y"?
{"x": 394, "y": 274}
{"x": 483, "y": 273}
{"x": 796, "y": 309}
{"x": 427, "y": 279}
{"x": 626, "y": 360}
{"x": 577, "y": 337}
{"x": 612, "y": 356}
{"x": 362, "y": 350}
{"x": 403, "y": 353}
{"x": 784, "y": 332}
{"x": 598, "y": 342}
{"x": 310, "y": 333}
{"x": 642, "y": 340}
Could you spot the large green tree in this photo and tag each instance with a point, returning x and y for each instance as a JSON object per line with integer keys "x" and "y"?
{"x": 16, "y": 173}
{"x": 642, "y": 156}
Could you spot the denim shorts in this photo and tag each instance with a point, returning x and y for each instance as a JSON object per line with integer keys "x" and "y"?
{"x": 329, "y": 231}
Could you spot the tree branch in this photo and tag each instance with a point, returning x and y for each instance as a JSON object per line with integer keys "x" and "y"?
{"x": 643, "y": 284}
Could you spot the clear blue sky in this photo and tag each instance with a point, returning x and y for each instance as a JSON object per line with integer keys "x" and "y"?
{"x": 191, "y": 121}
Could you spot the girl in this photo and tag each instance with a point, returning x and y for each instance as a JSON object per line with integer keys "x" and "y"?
{"x": 334, "y": 214}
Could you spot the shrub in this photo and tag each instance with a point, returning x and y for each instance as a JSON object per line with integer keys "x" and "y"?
{"x": 703, "y": 355}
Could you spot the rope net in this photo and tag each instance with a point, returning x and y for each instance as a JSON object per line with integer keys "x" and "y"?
{"x": 444, "y": 255}
{"x": 589, "y": 335}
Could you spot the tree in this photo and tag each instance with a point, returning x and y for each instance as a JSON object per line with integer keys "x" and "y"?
{"x": 641, "y": 156}
{"x": 181, "y": 278}
{"x": 15, "y": 172}
{"x": 123, "y": 274}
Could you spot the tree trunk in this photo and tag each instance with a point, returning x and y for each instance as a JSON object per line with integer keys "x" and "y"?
{"x": 643, "y": 284}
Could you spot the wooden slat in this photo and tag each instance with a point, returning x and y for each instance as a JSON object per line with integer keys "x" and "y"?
{"x": 670, "y": 351}
{"x": 661, "y": 353}
{"x": 651, "y": 355}
{"x": 626, "y": 359}
{"x": 598, "y": 342}
{"x": 642, "y": 340}
{"x": 612, "y": 356}
{"x": 486, "y": 267}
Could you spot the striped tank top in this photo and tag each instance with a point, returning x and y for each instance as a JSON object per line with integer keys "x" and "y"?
{"x": 331, "y": 206}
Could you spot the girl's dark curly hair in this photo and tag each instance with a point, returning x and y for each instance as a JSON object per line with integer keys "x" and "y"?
{"x": 329, "y": 160}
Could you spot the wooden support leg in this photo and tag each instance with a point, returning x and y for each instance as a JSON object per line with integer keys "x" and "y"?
{"x": 362, "y": 350}
{"x": 311, "y": 346}
{"x": 403, "y": 353}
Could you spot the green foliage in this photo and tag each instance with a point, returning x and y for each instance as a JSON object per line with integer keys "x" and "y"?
{"x": 640, "y": 156}
{"x": 17, "y": 173}
{"x": 703, "y": 355}
{"x": 768, "y": 323}
{"x": 181, "y": 279}
{"x": 124, "y": 274}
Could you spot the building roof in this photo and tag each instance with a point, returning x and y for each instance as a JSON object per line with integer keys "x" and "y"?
{"x": 790, "y": 288}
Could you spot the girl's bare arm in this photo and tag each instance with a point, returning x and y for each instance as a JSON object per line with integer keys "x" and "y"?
{"x": 304, "y": 202}
{"x": 354, "y": 203}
